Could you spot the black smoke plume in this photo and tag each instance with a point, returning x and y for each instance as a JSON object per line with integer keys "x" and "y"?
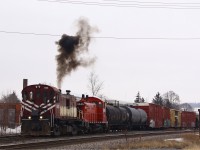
{"x": 71, "y": 49}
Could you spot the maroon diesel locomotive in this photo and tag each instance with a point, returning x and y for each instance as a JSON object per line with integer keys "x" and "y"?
{"x": 46, "y": 111}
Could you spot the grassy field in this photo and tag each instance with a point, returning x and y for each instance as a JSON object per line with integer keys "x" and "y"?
{"x": 186, "y": 141}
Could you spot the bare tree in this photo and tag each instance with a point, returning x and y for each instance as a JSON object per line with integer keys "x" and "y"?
{"x": 171, "y": 99}
{"x": 95, "y": 85}
{"x": 186, "y": 107}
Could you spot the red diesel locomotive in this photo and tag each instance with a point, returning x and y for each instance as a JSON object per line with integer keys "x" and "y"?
{"x": 92, "y": 114}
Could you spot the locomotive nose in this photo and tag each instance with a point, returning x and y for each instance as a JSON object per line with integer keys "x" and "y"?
{"x": 35, "y": 113}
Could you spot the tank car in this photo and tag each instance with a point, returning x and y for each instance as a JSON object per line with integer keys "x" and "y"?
{"x": 46, "y": 111}
{"x": 137, "y": 117}
{"x": 117, "y": 117}
{"x": 125, "y": 117}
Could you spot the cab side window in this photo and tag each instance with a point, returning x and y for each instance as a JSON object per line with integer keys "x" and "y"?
{"x": 100, "y": 105}
{"x": 25, "y": 96}
{"x": 57, "y": 97}
{"x": 31, "y": 96}
{"x": 67, "y": 103}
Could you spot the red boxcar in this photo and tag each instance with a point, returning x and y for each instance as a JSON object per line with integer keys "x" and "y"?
{"x": 10, "y": 114}
{"x": 188, "y": 119}
{"x": 166, "y": 117}
{"x": 154, "y": 114}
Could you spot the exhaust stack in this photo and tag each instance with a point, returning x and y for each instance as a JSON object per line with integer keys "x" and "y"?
{"x": 25, "y": 83}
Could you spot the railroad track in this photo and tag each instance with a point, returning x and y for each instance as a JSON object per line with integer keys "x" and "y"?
{"x": 85, "y": 139}
{"x": 10, "y": 139}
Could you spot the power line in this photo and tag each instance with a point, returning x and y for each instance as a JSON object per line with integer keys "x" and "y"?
{"x": 27, "y": 33}
{"x": 106, "y": 37}
{"x": 149, "y": 2}
{"x": 136, "y": 5}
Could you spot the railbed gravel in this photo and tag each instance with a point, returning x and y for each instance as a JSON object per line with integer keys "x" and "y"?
{"x": 111, "y": 144}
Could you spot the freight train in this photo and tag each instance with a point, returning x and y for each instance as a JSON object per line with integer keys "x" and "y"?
{"x": 46, "y": 111}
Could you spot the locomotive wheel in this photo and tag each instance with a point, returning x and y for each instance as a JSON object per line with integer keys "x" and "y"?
{"x": 56, "y": 131}
{"x": 74, "y": 130}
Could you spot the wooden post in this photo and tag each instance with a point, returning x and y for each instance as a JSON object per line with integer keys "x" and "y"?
{"x": 199, "y": 123}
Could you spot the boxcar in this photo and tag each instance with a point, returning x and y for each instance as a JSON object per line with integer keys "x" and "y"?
{"x": 166, "y": 117}
{"x": 154, "y": 114}
{"x": 10, "y": 114}
{"x": 188, "y": 119}
{"x": 175, "y": 118}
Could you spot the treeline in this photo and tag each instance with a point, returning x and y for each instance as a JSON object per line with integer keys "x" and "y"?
{"x": 169, "y": 99}
{"x": 10, "y": 98}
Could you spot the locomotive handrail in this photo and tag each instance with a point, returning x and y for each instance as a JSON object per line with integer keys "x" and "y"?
{"x": 80, "y": 114}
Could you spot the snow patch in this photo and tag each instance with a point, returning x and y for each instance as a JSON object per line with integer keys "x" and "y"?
{"x": 175, "y": 139}
{"x": 8, "y": 131}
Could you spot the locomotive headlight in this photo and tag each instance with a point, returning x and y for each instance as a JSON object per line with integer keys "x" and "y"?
{"x": 41, "y": 117}
{"x": 29, "y": 117}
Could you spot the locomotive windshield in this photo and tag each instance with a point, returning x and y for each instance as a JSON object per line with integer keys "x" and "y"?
{"x": 28, "y": 96}
{"x": 45, "y": 96}
{"x": 39, "y": 93}
{"x": 48, "y": 96}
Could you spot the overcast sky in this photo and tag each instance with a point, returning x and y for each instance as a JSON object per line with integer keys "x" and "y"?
{"x": 156, "y": 46}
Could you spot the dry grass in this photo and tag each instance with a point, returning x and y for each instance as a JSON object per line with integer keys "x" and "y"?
{"x": 190, "y": 142}
{"x": 159, "y": 144}
{"x": 194, "y": 141}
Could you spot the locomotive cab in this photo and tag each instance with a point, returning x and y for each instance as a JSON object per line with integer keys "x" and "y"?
{"x": 37, "y": 109}
{"x": 92, "y": 112}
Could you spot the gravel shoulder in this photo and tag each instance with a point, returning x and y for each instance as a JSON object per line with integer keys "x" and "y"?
{"x": 113, "y": 144}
